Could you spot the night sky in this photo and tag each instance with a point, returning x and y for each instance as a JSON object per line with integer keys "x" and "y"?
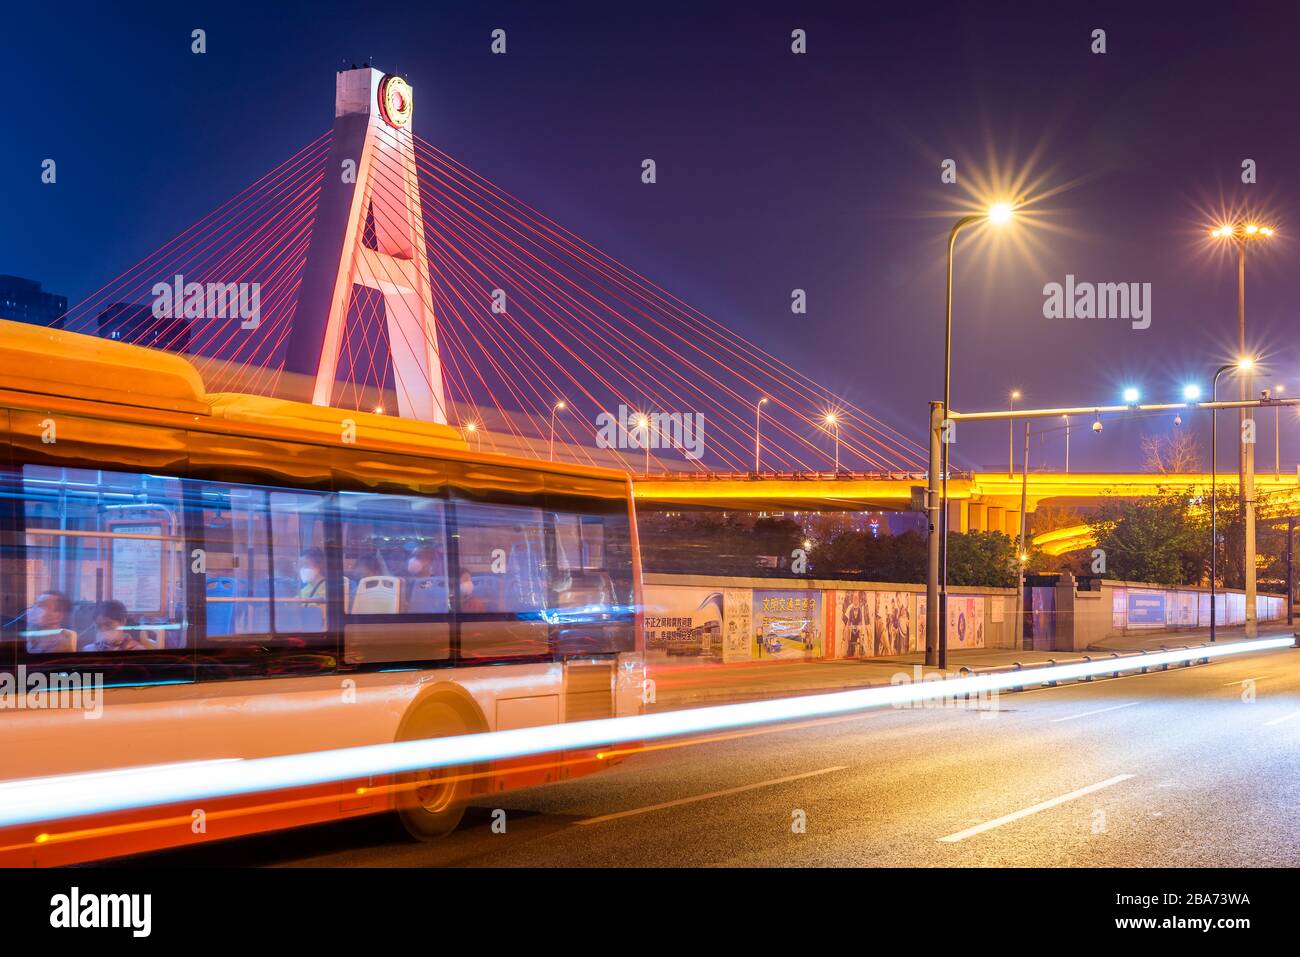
{"x": 775, "y": 171}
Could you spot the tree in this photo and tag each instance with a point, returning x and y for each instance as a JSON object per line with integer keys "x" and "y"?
{"x": 1162, "y": 539}
{"x": 982, "y": 558}
{"x": 1177, "y": 452}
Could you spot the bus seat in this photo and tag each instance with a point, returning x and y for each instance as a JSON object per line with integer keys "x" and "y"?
{"x": 427, "y": 596}
{"x": 377, "y": 595}
{"x": 221, "y": 615}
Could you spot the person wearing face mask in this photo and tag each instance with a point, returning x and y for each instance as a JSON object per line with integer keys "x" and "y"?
{"x": 425, "y": 590}
{"x": 110, "y": 630}
{"x": 312, "y": 589}
{"x": 468, "y": 603}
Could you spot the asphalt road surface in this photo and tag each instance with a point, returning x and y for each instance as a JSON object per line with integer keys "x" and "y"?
{"x": 1196, "y": 766}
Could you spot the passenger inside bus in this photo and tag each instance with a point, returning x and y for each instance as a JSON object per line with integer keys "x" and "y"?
{"x": 45, "y": 632}
{"x": 113, "y": 632}
{"x": 468, "y": 603}
{"x": 313, "y": 590}
{"x": 426, "y": 586}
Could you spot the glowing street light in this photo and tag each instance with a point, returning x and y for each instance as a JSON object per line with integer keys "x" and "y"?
{"x": 999, "y": 214}
{"x": 1192, "y": 392}
{"x": 1243, "y": 234}
{"x": 1131, "y": 396}
{"x": 558, "y": 407}
{"x": 832, "y": 422}
{"x": 471, "y": 429}
{"x": 643, "y": 423}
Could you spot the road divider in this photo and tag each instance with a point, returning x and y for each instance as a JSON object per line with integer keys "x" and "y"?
{"x": 36, "y": 800}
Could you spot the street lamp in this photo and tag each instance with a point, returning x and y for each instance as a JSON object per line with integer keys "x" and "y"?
{"x": 1278, "y": 390}
{"x": 1242, "y": 234}
{"x": 1131, "y": 396}
{"x": 471, "y": 429}
{"x": 558, "y": 407}
{"x": 1011, "y": 437}
{"x": 1067, "y": 443}
{"x": 758, "y": 420}
{"x": 937, "y": 575}
{"x": 643, "y": 423}
{"x": 833, "y": 422}
{"x": 1241, "y": 365}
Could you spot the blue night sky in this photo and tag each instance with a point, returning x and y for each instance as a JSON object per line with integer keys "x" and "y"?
{"x": 775, "y": 171}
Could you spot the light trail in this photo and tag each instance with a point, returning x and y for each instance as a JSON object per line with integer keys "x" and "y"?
{"x": 35, "y": 800}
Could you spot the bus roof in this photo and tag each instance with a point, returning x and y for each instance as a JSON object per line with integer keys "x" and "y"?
{"x": 54, "y": 362}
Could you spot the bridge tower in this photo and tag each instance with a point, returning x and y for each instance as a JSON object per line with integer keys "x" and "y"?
{"x": 371, "y": 189}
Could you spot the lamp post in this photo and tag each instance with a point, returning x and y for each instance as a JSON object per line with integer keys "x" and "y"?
{"x": 1011, "y": 438}
{"x": 1242, "y": 234}
{"x": 558, "y": 407}
{"x": 936, "y": 638}
{"x": 1242, "y": 365}
{"x": 833, "y": 422}
{"x": 1067, "y": 443}
{"x": 643, "y": 423}
{"x": 1278, "y": 389}
{"x": 758, "y": 422}
{"x": 471, "y": 429}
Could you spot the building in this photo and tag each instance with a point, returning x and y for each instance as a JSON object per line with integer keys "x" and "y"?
{"x": 135, "y": 323}
{"x": 23, "y": 301}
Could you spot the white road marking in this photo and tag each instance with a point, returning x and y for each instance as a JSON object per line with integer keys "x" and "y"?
{"x": 1097, "y": 711}
{"x": 711, "y": 794}
{"x": 1244, "y": 680}
{"x": 1025, "y": 812}
{"x": 1285, "y": 717}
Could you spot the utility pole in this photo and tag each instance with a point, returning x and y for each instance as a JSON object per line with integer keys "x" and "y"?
{"x": 935, "y": 637}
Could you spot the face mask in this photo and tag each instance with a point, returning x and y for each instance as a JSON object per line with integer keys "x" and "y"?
{"x": 307, "y": 575}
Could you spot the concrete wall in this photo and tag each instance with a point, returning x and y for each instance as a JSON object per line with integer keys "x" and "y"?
{"x": 1119, "y": 609}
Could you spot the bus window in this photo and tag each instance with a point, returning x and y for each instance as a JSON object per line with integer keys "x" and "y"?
{"x": 105, "y": 563}
{"x": 301, "y": 582}
{"x": 266, "y": 569}
{"x": 397, "y": 595}
{"x": 592, "y": 584}
{"x": 501, "y": 582}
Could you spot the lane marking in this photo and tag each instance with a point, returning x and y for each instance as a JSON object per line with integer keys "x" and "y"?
{"x": 1086, "y": 714}
{"x": 1285, "y": 717}
{"x": 1025, "y": 812}
{"x": 712, "y": 794}
{"x": 1244, "y": 680}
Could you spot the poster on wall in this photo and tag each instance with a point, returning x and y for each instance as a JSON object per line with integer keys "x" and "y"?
{"x": 684, "y": 621}
{"x": 737, "y": 625}
{"x": 965, "y": 621}
{"x": 787, "y": 624}
{"x": 1146, "y": 608}
{"x": 871, "y": 624}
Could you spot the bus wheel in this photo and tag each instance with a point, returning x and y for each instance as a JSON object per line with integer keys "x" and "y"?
{"x": 431, "y": 801}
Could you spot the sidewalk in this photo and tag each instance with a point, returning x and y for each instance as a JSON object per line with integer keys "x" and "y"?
{"x": 683, "y": 685}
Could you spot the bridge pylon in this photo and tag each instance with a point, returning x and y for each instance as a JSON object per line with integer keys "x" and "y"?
{"x": 369, "y": 232}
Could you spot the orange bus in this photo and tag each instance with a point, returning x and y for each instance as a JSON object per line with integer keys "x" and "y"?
{"x": 247, "y": 577}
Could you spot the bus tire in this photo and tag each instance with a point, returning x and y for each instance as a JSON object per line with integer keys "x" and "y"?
{"x": 431, "y": 802}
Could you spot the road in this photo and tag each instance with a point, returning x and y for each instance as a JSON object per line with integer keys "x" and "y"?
{"x": 1196, "y": 766}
